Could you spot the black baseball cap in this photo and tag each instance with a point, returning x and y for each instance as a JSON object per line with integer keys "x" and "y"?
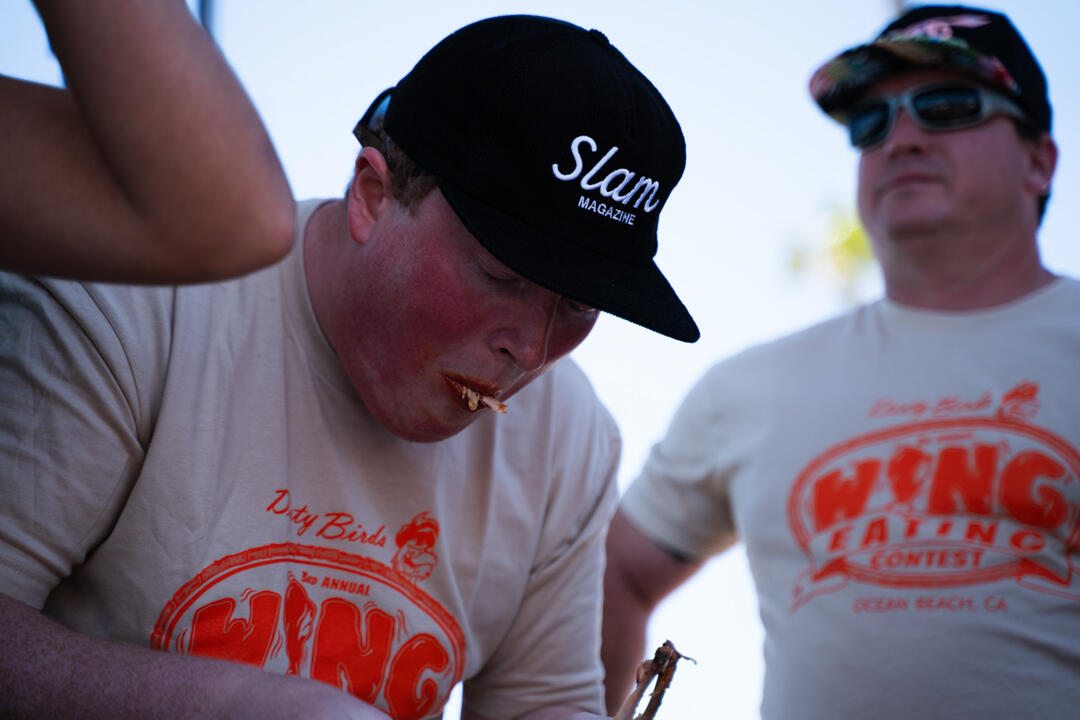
{"x": 556, "y": 153}
{"x": 979, "y": 43}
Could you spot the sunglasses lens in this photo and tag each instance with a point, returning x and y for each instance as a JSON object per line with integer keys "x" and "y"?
{"x": 869, "y": 124}
{"x": 943, "y": 108}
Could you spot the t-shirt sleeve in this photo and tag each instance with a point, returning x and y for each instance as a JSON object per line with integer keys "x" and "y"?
{"x": 680, "y": 498}
{"x": 73, "y": 424}
{"x": 551, "y": 653}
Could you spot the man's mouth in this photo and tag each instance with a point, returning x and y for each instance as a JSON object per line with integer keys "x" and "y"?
{"x": 911, "y": 179}
{"x": 474, "y": 398}
{"x": 907, "y": 175}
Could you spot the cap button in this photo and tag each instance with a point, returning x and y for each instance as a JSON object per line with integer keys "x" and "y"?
{"x": 598, "y": 37}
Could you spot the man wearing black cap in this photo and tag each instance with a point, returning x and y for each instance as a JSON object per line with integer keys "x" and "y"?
{"x": 365, "y": 465}
{"x": 906, "y": 477}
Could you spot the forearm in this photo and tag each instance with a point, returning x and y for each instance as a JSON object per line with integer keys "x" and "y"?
{"x": 560, "y": 712}
{"x": 49, "y": 671}
{"x": 178, "y": 168}
{"x": 638, "y": 575}
{"x": 623, "y": 643}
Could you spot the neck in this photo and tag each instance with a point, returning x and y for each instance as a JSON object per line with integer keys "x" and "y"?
{"x": 944, "y": 270}
{"x": 322, "y": 241}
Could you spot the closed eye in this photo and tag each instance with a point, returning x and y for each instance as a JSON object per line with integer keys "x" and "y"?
{"x": 497, "y": 273}
{"x": 501, "y": 277}
{"x": 578, "y": 307}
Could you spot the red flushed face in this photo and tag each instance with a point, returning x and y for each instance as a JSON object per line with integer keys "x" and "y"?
{"x": 430, "y": 310}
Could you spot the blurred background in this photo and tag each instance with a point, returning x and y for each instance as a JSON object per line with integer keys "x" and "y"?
{"x": 760, "y": 237}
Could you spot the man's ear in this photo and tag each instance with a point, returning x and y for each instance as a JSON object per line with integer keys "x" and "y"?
{"x": 1043, "y": 154}
{"x": 369, "y": 193}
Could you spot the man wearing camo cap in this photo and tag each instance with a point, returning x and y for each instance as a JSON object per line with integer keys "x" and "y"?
{"x": 905, "y": 477}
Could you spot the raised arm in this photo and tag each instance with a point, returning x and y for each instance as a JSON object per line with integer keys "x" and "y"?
{"x": 152, "y": 168}
{"x": 639, "y": 574}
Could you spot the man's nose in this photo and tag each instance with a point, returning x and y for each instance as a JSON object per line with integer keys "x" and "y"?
{"x": 526, "y": 336}
{"x": 905, "y": 135}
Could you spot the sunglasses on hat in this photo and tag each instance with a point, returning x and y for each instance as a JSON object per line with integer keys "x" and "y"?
{"x": 934, "y": 107}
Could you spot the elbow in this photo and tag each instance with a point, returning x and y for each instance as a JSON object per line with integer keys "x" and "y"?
{"x": 263, "y": 238}
{"x": 276, "y": 230}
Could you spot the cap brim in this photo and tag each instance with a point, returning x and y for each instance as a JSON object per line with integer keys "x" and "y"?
{"x": 840, "y": 83}
{"x": 638, "y": 293}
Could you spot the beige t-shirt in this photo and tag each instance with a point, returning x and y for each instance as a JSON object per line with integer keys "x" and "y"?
{"x": 190, "y": 469}
{"x": 907, "y": 484}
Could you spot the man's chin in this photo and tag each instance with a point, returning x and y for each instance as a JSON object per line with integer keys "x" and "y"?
{"x": 913, "y": 211}
{"x": 429, "y": 430}
{"x": 914, "y": 222}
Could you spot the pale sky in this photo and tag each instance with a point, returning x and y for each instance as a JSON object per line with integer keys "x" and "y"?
{"x": 765, "y": 170}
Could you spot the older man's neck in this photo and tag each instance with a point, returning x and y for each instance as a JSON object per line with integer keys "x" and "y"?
{"x": 940, "y": 281}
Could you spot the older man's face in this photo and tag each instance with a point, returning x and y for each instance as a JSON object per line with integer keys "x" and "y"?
{"x": 920, "y": 182}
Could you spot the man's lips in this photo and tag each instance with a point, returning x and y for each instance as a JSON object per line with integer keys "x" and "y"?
{"x": 473, "y": 398}
{"x": 907, "y": 177}
{"x": 911, "y": 179}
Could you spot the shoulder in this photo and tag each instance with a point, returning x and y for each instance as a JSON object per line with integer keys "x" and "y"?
{"x": 754, "y": 384}
{"x": 124, "y": 313}
{"x": 787, "y": 354}
{"x": 559, "y": 428}
{"x": 565, "y": 398}
{"x": 1066, "y": 288}
{"x": 568, "y": 381}
{"x": 103, "y": 347}
{"x": 562, "y": 387}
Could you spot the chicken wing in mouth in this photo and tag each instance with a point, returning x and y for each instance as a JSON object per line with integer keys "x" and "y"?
{"x": 474, "y": 399}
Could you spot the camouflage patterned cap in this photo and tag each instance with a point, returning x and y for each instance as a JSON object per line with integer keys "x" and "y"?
{"x": 971, "y": 41}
